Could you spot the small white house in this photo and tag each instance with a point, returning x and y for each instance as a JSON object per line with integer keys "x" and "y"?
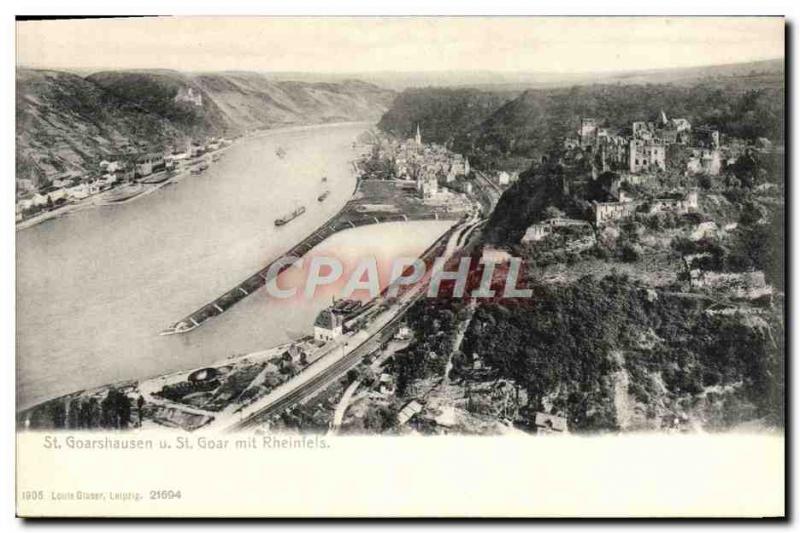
{"x": 495, "y": 255}
{"x": 58, "y": 194}
{"x": 39, "y": 200}
{"x": 403, "y": 333}
{"x": 408, "y": 411}
{"x": 327, "y": 326}
{"x": 78, "y": 192}
{"x": 110, "y": 166}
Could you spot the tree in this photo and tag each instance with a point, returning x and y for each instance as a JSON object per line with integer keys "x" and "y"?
{"x": 73, "y": 413}
{"x": 89, "y": 417}
{"x": 115, "y": 410}
{"x": 57, "y": 414}
{"x": 139, "y": 405}
{"x": 631, "y": 252}
{"x": 553, "y": 212}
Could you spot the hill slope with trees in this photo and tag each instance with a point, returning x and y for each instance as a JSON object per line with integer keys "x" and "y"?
{"x": 68, "y": 123}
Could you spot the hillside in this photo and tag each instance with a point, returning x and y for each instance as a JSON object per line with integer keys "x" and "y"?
{"x": 579, "y": 348}
{"x": 63, "y": 122}
{"x": 499, "y": 128}
{"x": 442, "y": 114}
{"x": 240, "y": 101}
{"x": 67, "y": 123}
{"x": 529, "y": 125}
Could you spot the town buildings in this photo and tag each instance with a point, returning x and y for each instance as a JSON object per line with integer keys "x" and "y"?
{"x": 121, "y": 167}
{"x": 541, "y": 230}
{"x": 607, "y": 212}
{"x": 430, "y": 166}
{"x": 148, "y": 163}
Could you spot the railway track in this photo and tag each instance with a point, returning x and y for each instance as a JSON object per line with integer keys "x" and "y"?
{"x": 452, "y": 240}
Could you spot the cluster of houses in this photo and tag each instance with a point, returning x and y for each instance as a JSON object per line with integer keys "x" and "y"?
{"x": 634, "y": 159}
{"x": 115, "y": 169}
{"x": 579, "y": 234}
{"x": 646, "y": 149}
{"x": 426, "y": 164}
{"x": 620, "y": 203}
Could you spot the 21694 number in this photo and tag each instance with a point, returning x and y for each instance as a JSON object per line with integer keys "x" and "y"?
{"x": 165, "y": 495}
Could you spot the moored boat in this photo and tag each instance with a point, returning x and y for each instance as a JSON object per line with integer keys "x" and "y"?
{"x": 124, "y": 192}
{"x": 321, "y": 197}
{"x": 156, "y": 178}
{"x": 200, "y": 168}
{"x": 291, "y": 216}
{"x": 180, "y": 327}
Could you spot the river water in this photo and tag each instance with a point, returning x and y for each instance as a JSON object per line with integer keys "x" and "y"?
{"x": 95, "y": 287}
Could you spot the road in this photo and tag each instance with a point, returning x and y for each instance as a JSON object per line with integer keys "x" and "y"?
{"x": 345, "y": 352}
{"x": 347, "y": 396}
{"x": 492, "y": 188}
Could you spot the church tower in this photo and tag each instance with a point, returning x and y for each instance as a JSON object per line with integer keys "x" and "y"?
{"x": 418, "y": 137}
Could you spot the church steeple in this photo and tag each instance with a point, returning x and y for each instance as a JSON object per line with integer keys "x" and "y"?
{"x": 418, "y": 137}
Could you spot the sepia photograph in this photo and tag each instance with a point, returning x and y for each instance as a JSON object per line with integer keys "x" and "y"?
{"x": 301, "y": 234}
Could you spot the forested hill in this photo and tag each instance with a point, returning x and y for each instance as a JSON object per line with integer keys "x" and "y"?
{"x": 530, "y": 124}
{"x": 443, "y": 115}
{"x": 68, "y": 123}
{"x": 496, "y": 130}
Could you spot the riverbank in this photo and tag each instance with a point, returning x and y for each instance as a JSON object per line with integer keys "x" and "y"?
{"x": 159, "y": 409}
{"x": 190, "y": 397}
{"x": 102, "y": 199}
{"x": 94, "y": 289}
{"x": 99, "y": 199}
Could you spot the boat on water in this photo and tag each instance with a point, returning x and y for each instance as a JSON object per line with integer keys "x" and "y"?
{"x": 216, "y": 157}
{"x": 321, "y": 197}
{"x": 324, "y": 179}
{"x": 200, "y": 169}
{"x": 180, "y": 327}
{"x": 291, "y": 216}
{"x": 156, "y": 178}
{"x": 280, "y": 152}
{"x": 124, "y": 192}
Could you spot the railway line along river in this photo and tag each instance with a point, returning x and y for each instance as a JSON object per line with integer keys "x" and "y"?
{"x": 94, "y": 288}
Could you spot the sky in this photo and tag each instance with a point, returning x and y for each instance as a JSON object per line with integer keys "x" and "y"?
{"x": 400, "y": 44}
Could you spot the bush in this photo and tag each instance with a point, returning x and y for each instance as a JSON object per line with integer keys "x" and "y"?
{"x": 631, "y": 252}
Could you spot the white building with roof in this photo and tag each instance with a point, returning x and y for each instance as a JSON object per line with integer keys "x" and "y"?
{"x": 328, "y": 326}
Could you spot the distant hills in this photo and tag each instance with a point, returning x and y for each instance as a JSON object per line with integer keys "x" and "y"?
{"x": 67, "y": 122}
{"x": 758, "y": 71}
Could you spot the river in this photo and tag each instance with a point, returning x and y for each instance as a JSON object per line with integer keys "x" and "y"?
{"x": 95, "y": 287}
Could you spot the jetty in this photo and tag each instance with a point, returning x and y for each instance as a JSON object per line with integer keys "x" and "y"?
{"x": 344, "y": 220}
